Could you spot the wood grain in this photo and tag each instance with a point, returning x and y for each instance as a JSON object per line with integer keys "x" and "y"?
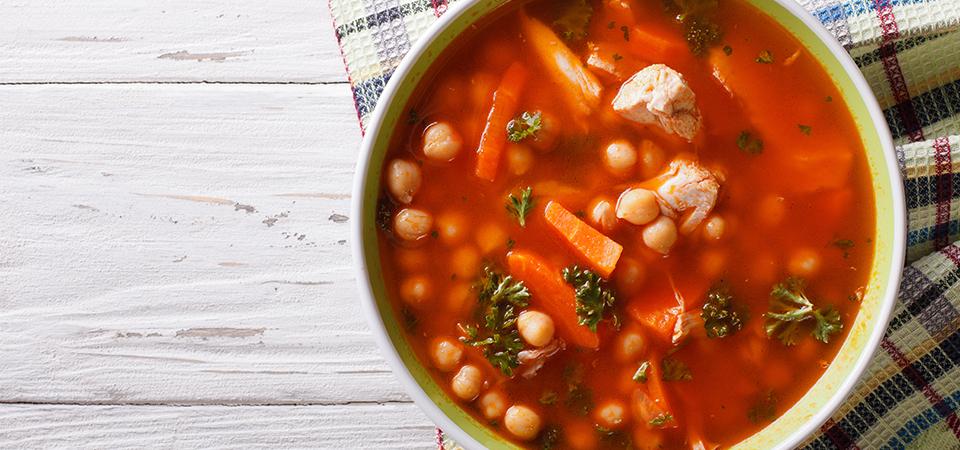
{"x": 393, "y": 426}
{"x": 280, "y": 41}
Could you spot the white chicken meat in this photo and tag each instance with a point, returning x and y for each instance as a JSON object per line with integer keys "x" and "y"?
{"x": 659, "y": 95}
{"x": 688, "y": 191}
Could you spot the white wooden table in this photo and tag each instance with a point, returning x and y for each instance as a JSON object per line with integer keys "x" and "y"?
{"x": 174, "y": 234}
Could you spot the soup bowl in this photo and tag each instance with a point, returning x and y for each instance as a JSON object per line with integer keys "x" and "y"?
{"x": 807, "y": 414}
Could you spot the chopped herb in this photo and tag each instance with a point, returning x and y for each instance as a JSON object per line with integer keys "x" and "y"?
{"x": 574, "y": 19}
{"x": 617, "y": 57}
{"x": 749, "y": 143}
{"x": 410, "y": 320}
{"x": 413, "y": 117}
{"x": 520, "y": 207}
{"x": 593, "y": 297}
{"x": 580, "y": 400}
{"x": 640, "y": 376}
{"x": 510, "y": 243}
{"x": 829, "y": 99}
{"x": 614, "y": 438}
{"x": 384, "y": 213}
{"x": 719, "y": 315}
{"x": 661, "y": 420}
{"x": 845, "y": 245}
{"x": 524, "y": 126}
{"x": 695, "y": 16}
{"x": 727, "y": 50}
{"x": 764, "y": 409}
{"x": 611, "y": 25}
{"x": 676, "y": 370}
{"x": 434, "y": 234}
{"x": 805, "y": 129}
{"x": 626, "y": 33}
{"x": 765, "y": 57}
{"x": 550, "y": 437}
{"x": 499, "y": 298}
{"x": 789, "y": 307}
{"x": 548, "y": 398}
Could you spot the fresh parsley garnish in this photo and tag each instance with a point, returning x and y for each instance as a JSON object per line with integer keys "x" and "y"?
{"x": 594, "y": 298}
{"x": 765, "y": 57}
{"x": 727, "y": 50}
{"x": 626, "y": 33}
{"x": 550, "y": 437}
{"x": 580, "y": 400}
{"x": 574, "y": 20}
{"x": 548, "y": 398}
{"x": 844, "y": 245}
{"x": 499, "y": 297}
{"x": 805, "y": 129}
{"x": 749, "y": 143}
{"x": 676, "y": 370}
{"x": 764, "y": 409}
{"x": 696, "y": 17}
{"x": 640, "y": 376}
{"x": 614, "y": 438}
{"x": 719, "y": 315}
{"x": 524, "y": 126}
{"x": 617, "y": 57}
{"x": 521, "y": 207}
{"x": 661, "y": 420}
{"x": 789, "y": 307}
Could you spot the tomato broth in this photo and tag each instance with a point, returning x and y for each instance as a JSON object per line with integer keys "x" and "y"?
{"x": 702, "y": 336}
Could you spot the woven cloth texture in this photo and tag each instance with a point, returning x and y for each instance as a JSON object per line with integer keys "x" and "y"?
{"x": 909, "y": 52}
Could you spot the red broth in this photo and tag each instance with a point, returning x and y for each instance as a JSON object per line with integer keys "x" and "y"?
{"x": 798, "y": 205}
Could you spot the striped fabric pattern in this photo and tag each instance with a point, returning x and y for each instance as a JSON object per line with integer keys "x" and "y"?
{"x": 909, "y": 52}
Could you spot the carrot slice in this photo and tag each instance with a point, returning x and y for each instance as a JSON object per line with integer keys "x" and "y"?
{"x": 655, "y": 44}
{"x": 494, "y": 137}
{"x": 581, "y": 87}
{"x": 598, "y": 252}
{"x": 552, "y": 294}
{"x": 650, "y": 400}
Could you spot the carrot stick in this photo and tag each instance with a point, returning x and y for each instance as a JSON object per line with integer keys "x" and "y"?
{"x": 552, "y": 294}
{"x": 581, "y": 88}
{"x": 650, "y": 399}
{"x": 597, "y": 251}
{"x": 494, "y": 137}
{"x": 653, "y": 44}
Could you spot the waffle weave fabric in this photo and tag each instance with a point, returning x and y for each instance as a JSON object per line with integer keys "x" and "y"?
{"x": 909, "y": 52}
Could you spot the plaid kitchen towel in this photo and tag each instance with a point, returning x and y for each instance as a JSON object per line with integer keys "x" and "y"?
{"x": 909, "y": 52}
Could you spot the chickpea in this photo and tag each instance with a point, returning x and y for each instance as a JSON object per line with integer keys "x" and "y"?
{"x": 620, "y": 157}
{"x": 412, "y": 224}
{"x": 804, "y": 262}
{"x": 652, "y": 159}
{"x": 491, "y": 236}
{"x": 493, "y": 405}
{"x": 714, "y": 228}
{"x": 452, "y": 227}
{"x": 519, "y": 158}
{"x": 522, "y": 422}
{"x": 465, "y": 262}
{"x": 546, "y": 138}
{"x": 660, "y": 235}
{"x": 611, "y": 415}
{"x": 638, "y": 206}
{"x": 446, "y": 353}
{"x": 467, "y": 382}
{"x": 630, "y": 346}
{"x": 629, "y": 275}
{"x": 403, "y": 180}
{"x": 603, "y": 216}
{"x": 441, "y": 142}
{"x": 535, "y": 327}
{"x": 416, "y": 290}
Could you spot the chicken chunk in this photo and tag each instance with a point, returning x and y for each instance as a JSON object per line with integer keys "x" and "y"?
{"x": 686, "y": 186}
{"x": 659, "y": 95}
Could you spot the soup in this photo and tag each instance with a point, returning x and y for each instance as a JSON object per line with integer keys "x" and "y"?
{"x": 626, "y": 224}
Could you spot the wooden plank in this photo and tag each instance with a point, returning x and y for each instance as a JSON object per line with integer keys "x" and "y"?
{"x": 392, "y": 426}
{"x": 168, "y": 41}
{"x": 181, "y": 243}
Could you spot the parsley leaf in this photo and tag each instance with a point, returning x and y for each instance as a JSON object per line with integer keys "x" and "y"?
{"x": 805, "y": 129}
{"x": 765, "y": 57}
{"x": 617, "y": 57}
{"x": 720, "y": 318}
{"x": 499, "y": 297}
{"x": 749, "y": 143}
{"x": 580, "y": 400}
{"x": 574, "y": 19}
{"x": 661, "y": 420}
{"x": 524, "y": 126}
{"x": 548, "y": 398}
{"x": 789, "y": 307}
{"x": 640, "y": 376}
{"x": 614, "y": 438}
{"x": 727, "y": 50}
{"x": 845, "y": 245}
{"x": 764, "y": 409}
{"x": 550, "y": 437}
{"x": 593, "y": 297}
{"x": 676, "y": 370}
{"x": 520, "y": 207}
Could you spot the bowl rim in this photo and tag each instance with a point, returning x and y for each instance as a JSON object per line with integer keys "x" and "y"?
{"x": 378, "y": 328}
